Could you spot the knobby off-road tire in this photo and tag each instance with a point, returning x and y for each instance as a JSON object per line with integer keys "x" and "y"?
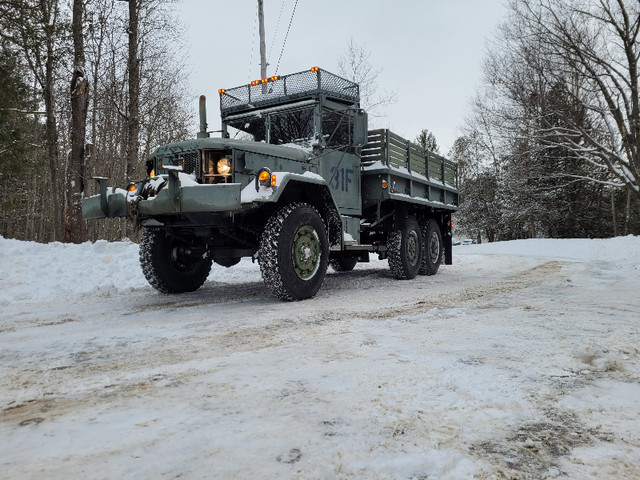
{"x": 170, "y": 264}
{"x": 294, "y": 252}
{"x": 405, "y": 250}
{"x": 433, "y": 248}
{"x": 343, "y": 263}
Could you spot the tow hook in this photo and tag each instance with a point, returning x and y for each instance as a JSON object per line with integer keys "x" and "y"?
{"x": 104, "y": 205}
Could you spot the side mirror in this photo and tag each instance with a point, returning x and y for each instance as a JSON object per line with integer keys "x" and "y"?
{"x": 360, "y": 128}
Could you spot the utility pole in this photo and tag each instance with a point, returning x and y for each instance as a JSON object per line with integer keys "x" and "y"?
{"x": 263, "y": 48}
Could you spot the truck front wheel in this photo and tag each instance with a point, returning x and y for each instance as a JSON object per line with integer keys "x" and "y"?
{"x": 294, "y": 252}
{"x": 173, "y": 264}
{"x": 433, "y": 248}
{"x": 405, "y": 250}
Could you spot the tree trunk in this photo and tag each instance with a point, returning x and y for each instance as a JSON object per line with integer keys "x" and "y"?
{"x": 49, "y": 17}
{"x": 613, "y": 214}
{"x": 133, "y": 113}
{"x": 51, "y": 134}
{"x": 75, "y": 225}
{"x": 628, "y": 212}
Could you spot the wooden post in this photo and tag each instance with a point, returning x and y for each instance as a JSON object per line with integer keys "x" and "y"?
{"x": 263, "y": 48}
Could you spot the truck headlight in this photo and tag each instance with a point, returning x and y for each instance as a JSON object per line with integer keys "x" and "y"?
{"x": 224, "y": 166}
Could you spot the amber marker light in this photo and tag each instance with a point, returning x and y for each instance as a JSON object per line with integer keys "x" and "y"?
{"x": 255, "y": 82}
{"x": 273, "y": 179}
{"x": 274, "y": 78}
{"x": 315, "y": 69}
{"x": 222, "y": 90}
{"x": 264, "y": 176}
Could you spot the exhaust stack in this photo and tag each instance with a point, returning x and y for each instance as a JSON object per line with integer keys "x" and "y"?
{"x": 203, "y": 118}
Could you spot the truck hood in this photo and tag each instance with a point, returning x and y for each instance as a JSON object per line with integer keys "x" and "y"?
{"x": 291, "y": 152}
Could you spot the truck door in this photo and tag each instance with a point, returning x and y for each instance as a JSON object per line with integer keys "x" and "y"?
{"x": 341, "y": 170}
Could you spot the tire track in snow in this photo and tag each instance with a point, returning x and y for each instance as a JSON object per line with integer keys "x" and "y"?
{"x": 480, "y": 295}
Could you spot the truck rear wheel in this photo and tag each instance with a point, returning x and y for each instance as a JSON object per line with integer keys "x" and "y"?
{"x": 171, "y": 264}
{"x": 433, "y": 248}
{"x": 294, "y": 252}
{"x": 405, "y": 250}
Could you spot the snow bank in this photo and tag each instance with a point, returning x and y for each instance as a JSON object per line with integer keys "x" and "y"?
{"x": 35, "y": 272}
{"x": 620, "y": 250}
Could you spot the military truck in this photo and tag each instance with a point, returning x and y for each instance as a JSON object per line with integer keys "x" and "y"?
{"x": 295, "y": 181}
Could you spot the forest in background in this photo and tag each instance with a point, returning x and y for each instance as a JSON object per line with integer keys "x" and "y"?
{"x": 550, "y": 147}
{"x": 131, "y": 83}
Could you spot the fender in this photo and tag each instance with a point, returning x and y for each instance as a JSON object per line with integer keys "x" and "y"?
{"x": 307, "y": 187}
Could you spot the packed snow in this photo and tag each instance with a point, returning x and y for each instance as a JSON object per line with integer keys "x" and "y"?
{"x": 519, "y": 361}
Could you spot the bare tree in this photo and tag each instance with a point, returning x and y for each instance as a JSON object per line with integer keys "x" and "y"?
{"x": 355, "y": 65}
{"x": 51, "y": 41}
{"x": 36, "y": 29}
{"x": 133, "y": 107}
{"x": 553, "y": 118}
{"x": 75, "y": 225}
{"x": 592, "y": 51}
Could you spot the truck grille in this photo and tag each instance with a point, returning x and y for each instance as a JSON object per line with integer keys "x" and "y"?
{"x": 188, "y": 161}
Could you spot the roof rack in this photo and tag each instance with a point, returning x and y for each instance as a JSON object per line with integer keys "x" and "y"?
{"x": 279, "y": 89}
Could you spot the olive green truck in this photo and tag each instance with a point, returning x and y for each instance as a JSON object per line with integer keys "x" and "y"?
{"x": 294, "y": 180}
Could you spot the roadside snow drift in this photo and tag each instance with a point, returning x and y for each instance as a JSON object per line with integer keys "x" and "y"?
{"x": 521, "y": 360}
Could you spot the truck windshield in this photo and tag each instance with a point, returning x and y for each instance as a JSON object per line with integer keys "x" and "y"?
{"x": 277, "y": 127}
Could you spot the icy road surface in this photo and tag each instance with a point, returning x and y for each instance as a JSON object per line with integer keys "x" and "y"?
{"x": 521, "y": 360}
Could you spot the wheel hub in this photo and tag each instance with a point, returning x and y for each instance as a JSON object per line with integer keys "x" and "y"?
{"x": 434, "y": 247}
{"x": 305, "y": 252}
{"x": 413, "y": 254}
{"x": 183, "y": 258}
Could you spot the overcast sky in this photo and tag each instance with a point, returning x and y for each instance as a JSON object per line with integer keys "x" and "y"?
{"x": 430, "y": 50}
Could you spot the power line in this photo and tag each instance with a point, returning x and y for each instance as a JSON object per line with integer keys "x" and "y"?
{"x": 286, "y": 36}
{"x": 273, "y": 41}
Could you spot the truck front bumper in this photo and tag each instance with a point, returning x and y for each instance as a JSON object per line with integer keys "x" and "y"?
{"x": 173, "y": 198}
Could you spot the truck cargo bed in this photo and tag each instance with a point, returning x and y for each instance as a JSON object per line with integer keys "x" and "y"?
{"x": 394, "y": 168}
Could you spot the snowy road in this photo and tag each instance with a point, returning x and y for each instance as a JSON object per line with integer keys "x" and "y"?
{"x": 521, "y": 360}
